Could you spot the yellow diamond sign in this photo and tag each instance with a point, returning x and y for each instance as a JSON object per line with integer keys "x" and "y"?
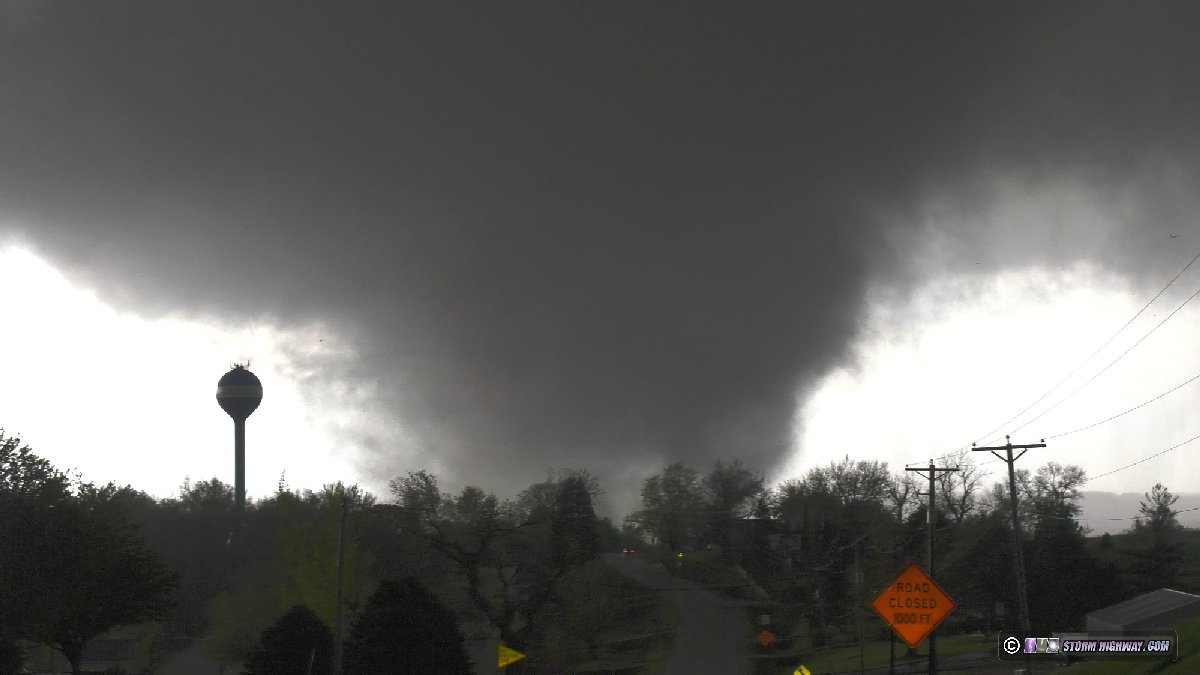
{"x": 506, "y": 655}
{"x": 913, "y": 605}
{"x": 801, "y": 670}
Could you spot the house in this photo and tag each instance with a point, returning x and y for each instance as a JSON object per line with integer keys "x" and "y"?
{"x": 1159, "y": 609}
{"x": 129, "y": 649}
{"x": 99, "y": 655}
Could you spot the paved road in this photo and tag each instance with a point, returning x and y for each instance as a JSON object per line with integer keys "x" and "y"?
{"x": 978, "y": 663}
{"x": 712, "y": 636}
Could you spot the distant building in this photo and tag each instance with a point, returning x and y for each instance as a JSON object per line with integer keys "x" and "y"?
{"x": 129, "y": 649}
{"x": 100, "y": 655}
{"x": 1163, "y": 608}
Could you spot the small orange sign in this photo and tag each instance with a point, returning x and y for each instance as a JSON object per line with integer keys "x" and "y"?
{"x": 913, "y": 605}
{"x": 766, "y": 637}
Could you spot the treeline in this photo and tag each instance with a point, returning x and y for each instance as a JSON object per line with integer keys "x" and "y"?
{"x": 826, "y": 543}
{"x": 79, "y": 560}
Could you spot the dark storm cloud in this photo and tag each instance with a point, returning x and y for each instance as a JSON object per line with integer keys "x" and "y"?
{"x": 567, "y": 235}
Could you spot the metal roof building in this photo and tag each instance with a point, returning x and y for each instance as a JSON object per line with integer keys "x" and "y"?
{"x": 1157, "y": 609}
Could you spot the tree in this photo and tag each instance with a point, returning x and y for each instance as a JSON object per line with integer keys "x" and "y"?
{"x": 105, "y": 576}
{"x": 1060, "y": 568}
{"x": 82, "y": 568}
{"x": 11, "y": 657}
{"x": 403, "y": 628}
{"x": 958, "y": 491}
{"x": 193, "y": 533}
{"x": 536, "y": 502}
{"x": 731, "y": 493}
{"x": 1157, "y": 515}
{"x": 851, "y": 480}
{"x": 998, "y": 501}
{"x": 305, "y": 571}
{"x": 510, "y": 568}
{"x": 829, "y": 513}
{"x": 476, "y": 535}
{"x": 1055, "y": 496}
{"x": 1157, "y": 561}
{"x": 900, "y": 496}
{"x": 288, "y": 557}
{"x": 573, "y": 535}
{"x": 299, "y": 642}
{"x": 32, "y": 494}
{"x": 671, "y": 505}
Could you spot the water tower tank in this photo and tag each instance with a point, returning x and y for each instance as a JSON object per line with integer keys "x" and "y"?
{"x": 239, "y": 392}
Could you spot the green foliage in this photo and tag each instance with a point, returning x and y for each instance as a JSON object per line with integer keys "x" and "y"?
{"x": 194, "y": 535}
{"x": 33, "y": 494}
{"x": 671, "y": 506}
{"x": 403, "y": 628}
{"x": 598, "y": 614}
{"x": 958, "y": 492}
{"x": 1055, "y": 498}
{"x": 299, "y": 642}
{"x": 1155, "y": 566}
{"x": 732, "y": 493}
{"x": 82, "y": 568}
{"x": 1158, "y": 518}
{"x": 851, "y": 481}
{"x": 573, "y": 536}
{"x": 11, "y": 657}
{"x": 238, "y": 615}
{"x": 306, "y": 567}
{"x": 1066, "y": 580}
{"x": 287, "y": 557}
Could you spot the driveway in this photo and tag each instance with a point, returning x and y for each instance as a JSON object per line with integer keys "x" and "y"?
{"x": 712, "y": 637}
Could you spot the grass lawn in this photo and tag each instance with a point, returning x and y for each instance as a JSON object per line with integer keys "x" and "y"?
{"x": 642, "y": 644}
{"x": 876, "y": 654}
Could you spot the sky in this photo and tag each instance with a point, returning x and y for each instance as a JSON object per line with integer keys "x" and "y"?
{"x": 492, "y": 240}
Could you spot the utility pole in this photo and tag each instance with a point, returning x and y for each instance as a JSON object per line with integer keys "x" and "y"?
{"x": 929, "y": 522}
{"x": 341, "y": 559}
{"x": 1018, "y": 555}
{"x": 858, "y": 603}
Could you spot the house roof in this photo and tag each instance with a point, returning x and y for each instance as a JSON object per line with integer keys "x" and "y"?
{"x": 1144, "y": 606}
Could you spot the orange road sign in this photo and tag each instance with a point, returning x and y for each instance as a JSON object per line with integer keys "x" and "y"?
{"x": 506, "y": 655}
{"x": 766, "y": 637}
{"x": 913, "y": 605}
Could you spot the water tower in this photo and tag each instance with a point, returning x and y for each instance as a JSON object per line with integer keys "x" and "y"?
{"x": 239, "y": 392}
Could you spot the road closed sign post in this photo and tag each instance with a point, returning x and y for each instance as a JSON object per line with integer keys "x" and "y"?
{"x": 913, "y": 605}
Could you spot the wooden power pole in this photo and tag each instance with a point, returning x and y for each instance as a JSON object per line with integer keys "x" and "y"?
{"x": 929, "y": 523}
{"x": 1018, "y": 555}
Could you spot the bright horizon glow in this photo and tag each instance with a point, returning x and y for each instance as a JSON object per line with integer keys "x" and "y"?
{"x": 940, "y": 369}
{"x": 121, "y": 398}
{"x": 932, "y": 372}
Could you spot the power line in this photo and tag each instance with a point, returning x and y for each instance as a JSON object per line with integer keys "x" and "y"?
{"x": 1082, "y": 363}
{"x": 1098, "y": 349}
{"x": 1144, "y": 459}
{"x": 1121, "y": 414}
{"x": 1111, "y": 364}
{"x": 1174, "y": 513}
